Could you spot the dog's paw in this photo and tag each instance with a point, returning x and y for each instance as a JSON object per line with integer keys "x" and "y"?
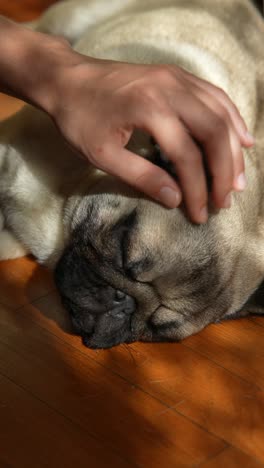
{"x": 10, "y": 247}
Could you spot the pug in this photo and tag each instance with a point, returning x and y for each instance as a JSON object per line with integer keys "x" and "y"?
{"x": 127, "y": 268}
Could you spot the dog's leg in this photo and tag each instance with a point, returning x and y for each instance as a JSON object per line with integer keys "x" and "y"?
{"x": 72, "y": 17}
{"x": 10, "y": 247}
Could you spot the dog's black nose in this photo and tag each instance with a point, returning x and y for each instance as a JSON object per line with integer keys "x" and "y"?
{"x": 113, "y": 326}
{"x": 119, "y": 295}
{"x": 122, "y": 304}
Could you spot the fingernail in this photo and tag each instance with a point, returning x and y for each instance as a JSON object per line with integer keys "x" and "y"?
{"x": 240, "y": 183}
{"x": 227, "y": 201}
{"x": 203, "y": 215}
{"x": 169, "y": 197}
{"x": 249, "y": 138}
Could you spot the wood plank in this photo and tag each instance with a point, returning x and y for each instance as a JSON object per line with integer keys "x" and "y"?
{"x": 172, "y": 372}
{"x": 225, "y": 404}
{"x": 24, "y": 10}
{"x": 235, "y": 345}
{"x": 22, "y": 281}
{"x": 4, "y": 465}
{"x": 259, "y": 320}
{"x": 212, "y": 397}
{"x": 234, "y": 413}
{"x": 231, "y": 458}
{"x": 124, "y": 418}
{"x": 8, "y": 106}
{"x": 33, "y": 435}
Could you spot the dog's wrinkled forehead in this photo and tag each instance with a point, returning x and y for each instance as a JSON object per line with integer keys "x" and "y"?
{"x": 138, "y": 237}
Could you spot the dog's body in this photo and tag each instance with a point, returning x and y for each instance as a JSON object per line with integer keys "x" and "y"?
{"x": 127, "y": 268}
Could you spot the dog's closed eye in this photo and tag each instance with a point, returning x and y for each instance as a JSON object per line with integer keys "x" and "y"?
{"x": 134, "y": 268}
{"x": 121, "y": 233}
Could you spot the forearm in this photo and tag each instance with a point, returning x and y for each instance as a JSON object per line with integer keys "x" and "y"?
{"x": 30, "y": 63}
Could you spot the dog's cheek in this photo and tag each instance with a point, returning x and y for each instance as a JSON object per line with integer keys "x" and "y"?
{"x": 82, "y": 321}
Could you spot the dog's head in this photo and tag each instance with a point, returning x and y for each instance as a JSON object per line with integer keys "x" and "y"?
{"x": 134, "y": 270}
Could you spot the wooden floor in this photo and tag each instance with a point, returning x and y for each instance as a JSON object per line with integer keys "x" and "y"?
{"x": 199, "y": 403}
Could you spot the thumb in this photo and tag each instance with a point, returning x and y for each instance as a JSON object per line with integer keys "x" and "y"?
{"x": 141, "y": 174}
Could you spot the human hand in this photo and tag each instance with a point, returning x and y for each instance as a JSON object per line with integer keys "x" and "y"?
{"x": 98, "y": 104}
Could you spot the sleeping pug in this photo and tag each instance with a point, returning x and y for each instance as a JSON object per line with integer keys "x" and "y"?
{"x": 127, "y": 268}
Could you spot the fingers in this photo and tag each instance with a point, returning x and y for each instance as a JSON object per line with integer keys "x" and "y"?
{"x": 179, "y": 147}
{"x": 239, "y": 180}
{"x": 140, "y": 174}
{"x": 176, "y": 143}
{"x": 214, "y": 121}
{"x": 219, "y": 95}
{"x": 216, "y": 135}
{"x": 222, "y": 149}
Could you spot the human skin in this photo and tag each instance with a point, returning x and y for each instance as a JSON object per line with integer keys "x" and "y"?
{"x": 97, "y": 104}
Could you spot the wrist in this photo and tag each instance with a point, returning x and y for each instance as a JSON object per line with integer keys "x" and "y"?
{"x": 73, "y": 74}
{"x": 54, "y": 56}
{"x": 31, "y": 63}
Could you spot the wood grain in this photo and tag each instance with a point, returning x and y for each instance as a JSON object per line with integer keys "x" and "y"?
{"x": 231, "y": 458}
{"x": 68, "y": 380}
{"x": 23, "y": 10}
{"x": 198, "y": 403}
{"x": 27, "y": 279}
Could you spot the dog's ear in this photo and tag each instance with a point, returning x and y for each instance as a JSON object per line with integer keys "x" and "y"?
{"x": 254, "y": 305}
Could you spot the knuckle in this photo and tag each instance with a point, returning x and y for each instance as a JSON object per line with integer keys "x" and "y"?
{"x": 183, "y": 160}
{"x": 222, "y": 113}
{"x": 62, "y": 40}
{"x": 151, "y": 99}
{"x": 225, "y": 98}
{"x": 150, "y": 181}
{"x": 188, "y": 159}
{"x": 151, "y": 93}
{"x": 147, "y": 94}
{"x": 98, "y": 156}
{"x": 145, "y": 179}
{"x": 217, "y": 127}
{"x": 161, "y": 73}
{"x": 221, "y": 93}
